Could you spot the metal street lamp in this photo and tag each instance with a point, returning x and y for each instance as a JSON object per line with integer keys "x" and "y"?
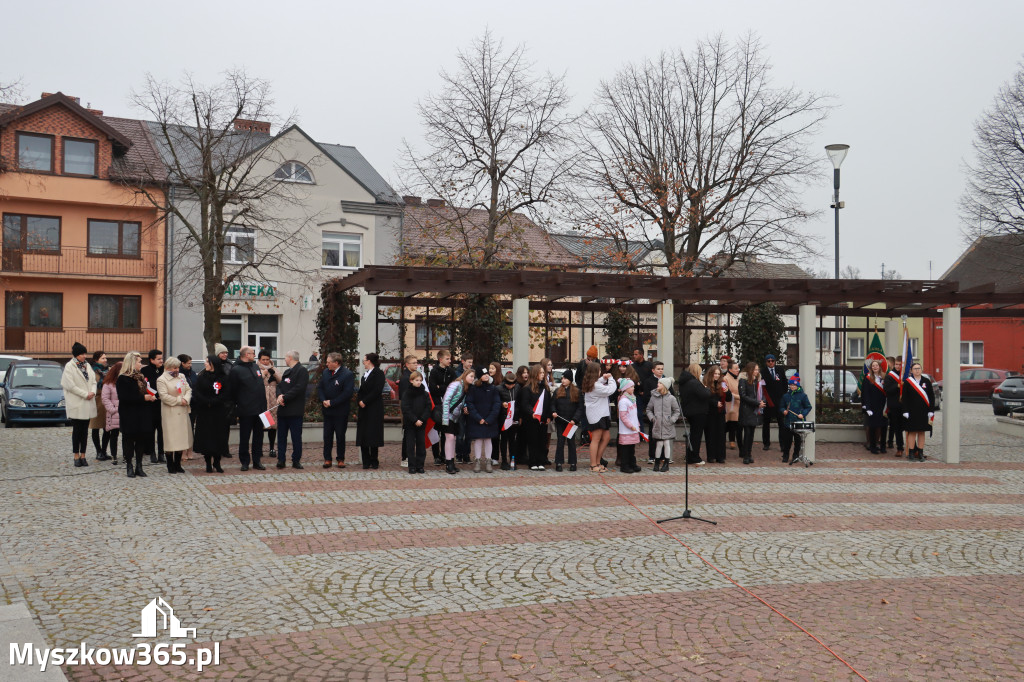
{"x": 836, "y": 153}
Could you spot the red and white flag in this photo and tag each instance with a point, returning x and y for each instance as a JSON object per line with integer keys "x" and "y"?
{"x": 268, "y": 419}
{"x": 538, "y": 409}
{"x": 508, "y": 418}
{"x": 645, "y": 437}
{"x": 570, "y": 430}
{"x": 150, "y": 390}
{"x": 430, "y": 427}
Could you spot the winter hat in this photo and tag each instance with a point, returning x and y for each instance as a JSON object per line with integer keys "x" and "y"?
{"x": 795, "y": 379}
{"x": 666, "y": 382}
{"x": 592, "y": 352}
{"x": 769, "y": 357}
{"x": 78, "y": 349}
{"x": 219, "y": 348}
{"x": 624, "y": 384}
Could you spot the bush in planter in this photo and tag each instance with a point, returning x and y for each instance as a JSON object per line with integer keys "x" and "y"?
{"x": 761, "y": 332}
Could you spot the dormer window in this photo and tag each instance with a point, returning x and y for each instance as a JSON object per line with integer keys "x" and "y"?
{"x": 79, "y": 157}
{"x": 293, "y": 171}
{"x": 35, "y": 152}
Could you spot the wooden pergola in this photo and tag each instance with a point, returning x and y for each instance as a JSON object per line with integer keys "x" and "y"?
{"x": 391, "y": 286}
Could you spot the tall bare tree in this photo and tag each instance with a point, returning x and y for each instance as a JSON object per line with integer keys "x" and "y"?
{"x": 496, "y": 141}
{"x": 992, "y": 204}
{"x": 217, "y": 183}
{"x": 699, "y": 155}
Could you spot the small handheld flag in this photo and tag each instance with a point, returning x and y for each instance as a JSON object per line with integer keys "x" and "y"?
{"x": 570, "y": 430}
{"x": 508, "y": 418}
{"x": 268, "y": 419}
{"x": 538, "y": 409}
{"x": 432, "y": 436}
{"x": 150, "y": 390}
{"x": 645, "y": 437}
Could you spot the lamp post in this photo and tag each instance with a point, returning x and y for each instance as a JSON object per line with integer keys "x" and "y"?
{"x": 836, "y": 154}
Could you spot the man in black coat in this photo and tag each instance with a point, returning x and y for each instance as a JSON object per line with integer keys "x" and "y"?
{"x": 775, "y": 388}
{"x": 250, "y": 398}
{"x": 410, "y": 365}
{"x": 437, "y": 383}
{"x": 642, "y": 367}
{"x": 335, "y": 390}
{"x": 152, "y": 372}
{"x": 291, "y": 406}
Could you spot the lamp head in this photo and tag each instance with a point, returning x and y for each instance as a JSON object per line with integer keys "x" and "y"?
{"x": 836, "y": 153}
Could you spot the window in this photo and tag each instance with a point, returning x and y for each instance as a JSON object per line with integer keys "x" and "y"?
{"x": 343, "y": 251}
{"x": 114, "y": 312}
{"x": 34, "y": 310}
{"x": 35, "y": 152}
{"x": 239, "y": 245}
{"x": 113, "y": 238}
{"x": 856, "y": 348}
{"x": 293, "y": 171}
{"x": 823, "y": 340}
{"x": 438, "y": 333}
{"x": 967, "y": 375}
{"x": 79, "y": 157}
{"x": 972, "y": 353}
{"x": 913, "y": 350}
{"x": 263, "y": 333}
{"x": 231, "y": 333}
{"x": 31, "y": 232}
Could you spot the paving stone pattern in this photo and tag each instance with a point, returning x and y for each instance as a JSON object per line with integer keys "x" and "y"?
{"x": 908, "y": 571}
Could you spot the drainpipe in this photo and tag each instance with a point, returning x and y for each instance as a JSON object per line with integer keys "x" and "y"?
{"x": 169, "y": 276}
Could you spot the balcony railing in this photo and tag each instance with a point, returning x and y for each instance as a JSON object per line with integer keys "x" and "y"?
{"x": 24, "y": 341}
{"x": 76, "y": 260}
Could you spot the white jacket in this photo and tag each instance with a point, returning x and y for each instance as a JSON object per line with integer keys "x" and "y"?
{"x": 76, "y": 388}
{"x": 596, "y": 402}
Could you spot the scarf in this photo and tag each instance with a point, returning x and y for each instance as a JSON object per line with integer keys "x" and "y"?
{"x": 140, "y": 380}
{"x": 83, "y": 367}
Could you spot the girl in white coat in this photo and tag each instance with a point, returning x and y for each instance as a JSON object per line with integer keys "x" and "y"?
{"x": 79, "y": 384}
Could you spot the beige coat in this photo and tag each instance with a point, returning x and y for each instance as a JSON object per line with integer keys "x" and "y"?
{"x": 270, "y": 387}
{"x": 76, "y": 387}
{"x": 177, "y": 427}
{"x": 732, "y": 408}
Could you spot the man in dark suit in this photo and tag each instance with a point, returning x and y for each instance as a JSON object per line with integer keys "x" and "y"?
{"x": 775, "y": 386}
{"x": 152, "y": 372}
{"x": 335, "y": 390}
{"x": 291, "y": 406}
{"x": 440, "y": 376}
{"x": 250, "y": 398}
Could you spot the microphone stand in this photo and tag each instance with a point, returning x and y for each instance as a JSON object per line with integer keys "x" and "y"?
{"x": 687, "y": 514}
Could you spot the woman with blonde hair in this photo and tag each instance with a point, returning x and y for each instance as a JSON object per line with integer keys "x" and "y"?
{"x": 693, "y": 401}
{"x": 134, "y": 413}
{"x": 175, "y": 397}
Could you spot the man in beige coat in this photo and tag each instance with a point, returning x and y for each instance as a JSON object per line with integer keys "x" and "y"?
{"x": 175, "y": 395}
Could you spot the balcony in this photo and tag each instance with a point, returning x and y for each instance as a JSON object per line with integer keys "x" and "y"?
{"x": 76, "y": 260}
{"x": 25, "y": 341}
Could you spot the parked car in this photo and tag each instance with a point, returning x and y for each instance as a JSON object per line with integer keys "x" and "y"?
{"x": 979, "y": 382}
{"x": 6, "y": 360}
{"x": 31, "y": 393}
{"x": 1008, "y": 396}
{"x": 849, "y": 390}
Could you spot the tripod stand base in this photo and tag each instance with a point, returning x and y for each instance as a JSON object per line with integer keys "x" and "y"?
{"x": 687, "y": 515}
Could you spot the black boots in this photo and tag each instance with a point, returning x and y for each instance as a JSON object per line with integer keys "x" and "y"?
{"x": 449, "y": 466}
{"x": 661, "y": 464}
{"x": 216, "y": 464}
{"x": 131, "y": 469}
{"x": 504, "y": 462}
{"x": 177, "y": 463}
{"x": 138, "y": 466}
{"x": 152, "y": 459}
{"x": 160, "y": 458}
{"x": 915, "y": 454}
{"x": 209, "y": 467}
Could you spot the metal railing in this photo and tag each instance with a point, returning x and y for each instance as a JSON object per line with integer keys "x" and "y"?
{"x": 24, "y": 341}
{"x": 76, "y": 260}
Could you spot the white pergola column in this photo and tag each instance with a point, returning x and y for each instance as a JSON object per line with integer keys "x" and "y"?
{"x": 893, "y": 338}
{"x": 666, "y": 336}
{"x": 951, "y": 384}
{"x": 808, "y": 367}
{"x": 520, "y": 332}
{"x": 367, "y": 328}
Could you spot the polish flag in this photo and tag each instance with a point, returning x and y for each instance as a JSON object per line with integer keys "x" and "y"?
{"x": 268, "y": 419}
{"x": 508, "y": 418}
{"x": 430, "y": 427}
{"x": 645, "y": 437}
{"x": 538, "y": 409}
{"x": 150, "y": 390}
{"x": 570, "y": 430}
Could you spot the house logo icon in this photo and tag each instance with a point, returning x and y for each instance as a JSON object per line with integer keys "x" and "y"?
{"x": 158, "y": 615}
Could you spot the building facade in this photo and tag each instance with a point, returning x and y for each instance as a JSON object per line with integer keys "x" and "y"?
{"x": 82, "y": 255}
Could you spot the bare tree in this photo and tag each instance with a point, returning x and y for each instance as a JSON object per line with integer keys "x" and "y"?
{"x": 701, "y": 153}
{"x": 10, "y": 91}
{"x": 216, "y": 181}
{"x": 993, "y": 201}
{"x": 496, "y": 138}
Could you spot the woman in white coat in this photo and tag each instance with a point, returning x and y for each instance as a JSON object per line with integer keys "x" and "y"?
{"x": 79, "y": 384}
{"x": 175, "y": 396}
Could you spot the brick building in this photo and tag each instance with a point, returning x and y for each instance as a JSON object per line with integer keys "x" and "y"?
{"x": 81, "y": 258}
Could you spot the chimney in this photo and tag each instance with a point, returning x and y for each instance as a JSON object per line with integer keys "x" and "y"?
{"x": 412, "y": 201}
{"x": 435, "y": 203}
{"x": 252, "y": 126}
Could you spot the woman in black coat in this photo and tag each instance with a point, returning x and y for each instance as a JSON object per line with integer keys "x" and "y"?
{"x": 370, "y": 419}
{"x": 485, "y": 418}
{"x": 532, "y": 431}
{"x": 751, "y": 409}
{"x": 694, "y": 402}
{"x": 873, "y": 401}
{"x": 918, "y": 402}
{"x": 135, "y": 412}
{"x": 211, "y": 406}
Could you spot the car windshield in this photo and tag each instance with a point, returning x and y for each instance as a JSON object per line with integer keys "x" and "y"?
{"x": 35, "y": 377}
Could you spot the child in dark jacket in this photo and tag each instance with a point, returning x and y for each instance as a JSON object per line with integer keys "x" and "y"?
{"x": 415, "y": 413}
{"x": 568, "y": 410}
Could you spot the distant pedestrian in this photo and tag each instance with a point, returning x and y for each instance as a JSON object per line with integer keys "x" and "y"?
{"x": 250, "y": 398}
{"x": 335, "y": 390}
{"x": 135, "y": 413}
{"x": 175, "y": 396}
{"x": 80, "y": 387}
{"x": 291, "y": 407}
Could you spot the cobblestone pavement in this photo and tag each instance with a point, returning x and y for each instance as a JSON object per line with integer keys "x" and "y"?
{"x": 908, "y": 571}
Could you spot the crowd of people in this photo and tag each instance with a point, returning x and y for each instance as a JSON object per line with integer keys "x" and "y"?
{"x": 465, "y": 413}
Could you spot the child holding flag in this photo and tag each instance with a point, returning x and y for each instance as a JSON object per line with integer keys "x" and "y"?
{"x": 629, "y": 428}
{"x": 663, "y": 412}
{"x": 415, "y": 413}
{"x": 568, "y": 415}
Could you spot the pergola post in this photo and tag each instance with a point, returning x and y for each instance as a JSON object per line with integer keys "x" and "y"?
{"x": 951, "y": 384}
{"x": 808, "y": 368}
{"x": 893, "y": 338}
{"x": 520, "y": 332}
{"x": 666, "y": 336}
{"x": 367, "y": 327}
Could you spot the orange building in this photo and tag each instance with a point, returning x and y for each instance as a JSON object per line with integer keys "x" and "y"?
{"x": 82, "y": 254}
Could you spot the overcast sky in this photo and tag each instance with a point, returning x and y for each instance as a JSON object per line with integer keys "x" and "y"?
{"x": 909, "y": 79}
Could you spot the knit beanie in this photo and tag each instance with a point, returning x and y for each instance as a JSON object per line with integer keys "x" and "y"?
{"x": 78, "y": 349}
{"x": 592, "y": 352}
{"x": 666, "y": 382}
{"x": 624, "y": 384}
{"x": 219, "y": 348}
